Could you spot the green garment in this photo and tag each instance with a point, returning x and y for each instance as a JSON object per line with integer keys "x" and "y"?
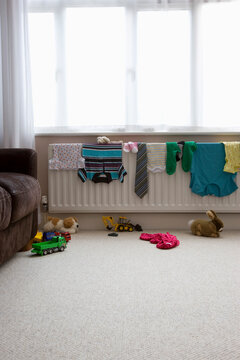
{"x": 171, "y": 162}
{"x": 172, "y": 150}
{"x": 188, "y": 150}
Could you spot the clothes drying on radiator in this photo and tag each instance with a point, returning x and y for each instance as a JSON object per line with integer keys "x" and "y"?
{"x": 207, "y": 175}
{"x": 177, "y": 151}
{"x": 130, "y": 147}
{"x": 66, "y": 157}
{"x": 156, "y": 155}
{"x": 103, "y": 163}
{"x": 180, "y": 154}
{"x": 232, "y": 151}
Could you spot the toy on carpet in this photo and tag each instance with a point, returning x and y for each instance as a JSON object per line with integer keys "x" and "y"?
{"x": 69, "y": 224}
{"x": 211, "y": 228}
{"x": 49, "y": 235}
{"x": 37, "y": 238}
{"x": 65, "y": 234}
{"x": 162, "y": 241}
{"x": 57, "y": 243}
{"x": 123, "y": 224}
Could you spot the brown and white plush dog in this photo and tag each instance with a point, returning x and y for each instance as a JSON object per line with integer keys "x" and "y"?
{"x": 69, "y": 224}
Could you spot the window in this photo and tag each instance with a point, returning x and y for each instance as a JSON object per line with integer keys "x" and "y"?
{"x": 95, "y": 66}
{"x": 163, "y": 56}
{"x": 135, "y": 65}
{"x": 221, "y": 59}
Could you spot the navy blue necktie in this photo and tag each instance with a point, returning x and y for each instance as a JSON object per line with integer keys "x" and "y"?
{"x": 141, "y": 180}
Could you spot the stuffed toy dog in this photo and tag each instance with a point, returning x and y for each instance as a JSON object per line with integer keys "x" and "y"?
{"x": 211, "y": 228}
{"x": 69, "y": 224}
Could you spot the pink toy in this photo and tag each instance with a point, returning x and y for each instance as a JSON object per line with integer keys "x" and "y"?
{"x": 146, "y": 236}
{"x": 163, "y": 241}
{"x": 156, "y": 239}
{"x": 153, "y": 238}
{"x": 168, "y": 241}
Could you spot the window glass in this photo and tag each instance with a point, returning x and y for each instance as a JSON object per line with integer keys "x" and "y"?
{"x": 221, "y": 59}
{"x": 95, "y": 66}
{"x": 163, "y": 67}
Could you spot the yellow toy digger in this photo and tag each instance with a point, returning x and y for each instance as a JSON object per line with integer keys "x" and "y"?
{"x": 122, "y": 225}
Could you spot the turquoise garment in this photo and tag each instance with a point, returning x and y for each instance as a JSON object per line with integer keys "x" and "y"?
{"x": 207, "y": 175}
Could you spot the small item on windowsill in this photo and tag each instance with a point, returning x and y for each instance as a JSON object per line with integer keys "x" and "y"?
{"x": 103, "y": 140}
{"x": 113, "y": 234}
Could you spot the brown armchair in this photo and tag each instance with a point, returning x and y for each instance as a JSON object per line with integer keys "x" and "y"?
{"x": 19, "y": 199}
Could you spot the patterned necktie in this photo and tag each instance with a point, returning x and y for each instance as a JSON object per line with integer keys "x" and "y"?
{"x": 141, "y": 180}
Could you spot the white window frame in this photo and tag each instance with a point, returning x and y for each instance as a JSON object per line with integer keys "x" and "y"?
{"x": 131, "y": 7}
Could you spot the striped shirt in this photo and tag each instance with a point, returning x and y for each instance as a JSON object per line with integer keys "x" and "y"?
{"x": 102, "y": 159}
{"x": 156, "y": 153}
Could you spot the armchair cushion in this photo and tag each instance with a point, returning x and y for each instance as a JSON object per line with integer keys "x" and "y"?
{"x": 5, "y": 209}
{"x": 24, "y": 191}
{"x": 23, "y": 161}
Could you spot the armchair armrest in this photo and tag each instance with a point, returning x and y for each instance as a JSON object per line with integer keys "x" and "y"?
{"x": 22, "y": 161}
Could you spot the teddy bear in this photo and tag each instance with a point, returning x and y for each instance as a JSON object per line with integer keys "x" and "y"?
{"x": 211, "y": 228}
{"x": 69, "y": 224}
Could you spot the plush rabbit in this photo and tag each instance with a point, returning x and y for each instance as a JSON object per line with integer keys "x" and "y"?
{"x": 211, "y": 228}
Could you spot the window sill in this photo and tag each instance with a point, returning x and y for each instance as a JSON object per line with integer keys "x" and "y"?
{"x": 71, "y": 131}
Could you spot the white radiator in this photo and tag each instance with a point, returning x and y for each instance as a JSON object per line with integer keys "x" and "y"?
{"x": 167, "y": 193}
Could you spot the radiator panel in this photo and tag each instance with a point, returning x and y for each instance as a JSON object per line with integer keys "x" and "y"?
{"x": 67, "y": 193}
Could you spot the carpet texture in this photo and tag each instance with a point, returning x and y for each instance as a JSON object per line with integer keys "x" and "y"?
{"x": 121, "y": 298}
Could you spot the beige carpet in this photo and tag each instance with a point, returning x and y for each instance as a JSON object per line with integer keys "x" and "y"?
{"x": 121, "y": 298}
